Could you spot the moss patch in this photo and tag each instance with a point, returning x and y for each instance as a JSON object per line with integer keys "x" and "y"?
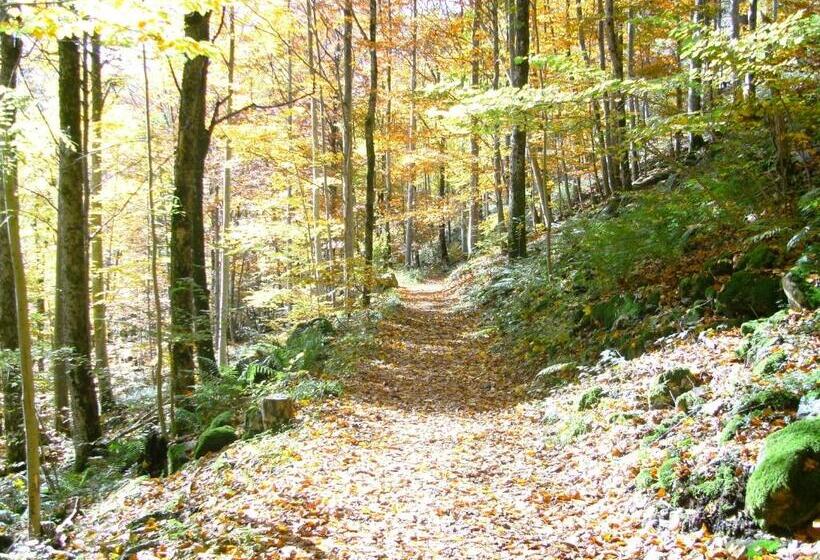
{"x": 591, "y": 398}
{"x": 221, "y": 419}
{"x": 783, "y": 492}
{"x": 771, "y": 364}
{"x": 214, "y": 439}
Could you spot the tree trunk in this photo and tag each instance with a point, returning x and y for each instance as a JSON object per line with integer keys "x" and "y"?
{"x": 187, "y": 272}
{"x": 11, "y": 49}
{"x": 472, "y": 233}
{"x": 693, "y": 99}
{"x": 497, "y": 174}
{"x": 621, "y": 154}
{"x": 223, "y": 311}
{"x": 71, "y": 238}
{"x": 408, "y": 225}
{"x": 347, "y": 147}
{"x": 154, "y": 245}
{"x": 97, "y": 279}
{"x": 9, "y": 340}
{"x": 442, "y": 193}
{"x": 369, "y": 130}
{"x": 519, "y": 74}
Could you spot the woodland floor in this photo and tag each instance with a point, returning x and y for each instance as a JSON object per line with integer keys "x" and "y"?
{"x": 429, "y": 454}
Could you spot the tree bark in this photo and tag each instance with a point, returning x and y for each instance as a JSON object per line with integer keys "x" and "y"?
{"x": 369, "y": 131}
{"x": 9, "y": 340}
{"x": 621, "y": 154}
{"x": 101, "y": 369}
{"x": 411, "y": 188}
{"x": 693, "y": 99}
{"x": 472, "y": 225}
{"x": 519, "y": 74}
{"x": 71, "y": 238}
{"x": 347, "y": 148}
{"x": 187, "y": 272}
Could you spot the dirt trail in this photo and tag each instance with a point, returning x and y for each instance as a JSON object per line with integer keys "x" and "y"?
{"x": 427, "y": 455}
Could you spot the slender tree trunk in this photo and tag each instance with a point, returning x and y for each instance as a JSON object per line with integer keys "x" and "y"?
{"x": 411, "y": 188}
{"x": 369, "y": 130}
{"x": 519, "y": 74}
{"x": 497, "y": 172}
{"x": 611, "y": 163}
{"x": 223, "y": 311}
{"x": 187, "y": 273}
{"x": 9, "y": 340}
{"x": 97, "y": 279}
{"x": 752, "y": 18}
{"x": 11, "y": 49}
{"x": 442, "y": 228}
{"x": 71, "y": 239}
{"x": 154, "y": 244}
{"x": 621, "y": 154}
{"x": 693, "y": 102}
{"x": 472, "y": 226}
{"x": 347, "y": 148}
{"x": 314, "y": 146}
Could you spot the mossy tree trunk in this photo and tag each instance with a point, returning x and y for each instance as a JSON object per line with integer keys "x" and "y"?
{"x": 9, "y": 342}
{"x": 190, "y": 321}
{"x": 71, "y": 239}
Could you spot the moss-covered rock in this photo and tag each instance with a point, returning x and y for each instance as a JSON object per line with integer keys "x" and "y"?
{"x": 749, "y": 295}
{"x": 719, "y": 266}
{"x": 177, "y": 457}
{"x": 214, "y": 439}
{"x": 688, "y": 401}
{"x": 669, "y": 385}
{"x": 692, "y": 288}
{"x": 773, "y": 399}
{"x": 783, "y": 492}
{"x": 590, "y": 399}
{"x": 801, "y": 290}
{"x": 222, "y": 419}
{"x": 762, "y": 336}
{"x": 759, "y": 257}
{"x": 770, "y": 364}
{"x": 253, "y": 421}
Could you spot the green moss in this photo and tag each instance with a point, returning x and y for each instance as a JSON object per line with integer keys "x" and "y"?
{"x": 591, "y": 398}
{"x": 668, "y": 386}
{"x": 622, "y": 418}
{"x": 177, "y": 456}
{"x": 221, "y": 419}
{"x": 774, "y": 399}
{"x": 783, "y": 492}
{"x": 720, "y": 484}
{"x": 214, "y": 439}
{"x": 691, "y": 288}
{"x": 733, "y": 426}
{"x": 749, "y": 295}
{"x": 688, "y": 401}
{"x": 645, "y": 479}
{"x": 668, "y": 473}
{"x": 662, "y": 429}
{"x": 759, "y": 257}
{"x": 761, "y": 547}
{"x": 770, "y": 364}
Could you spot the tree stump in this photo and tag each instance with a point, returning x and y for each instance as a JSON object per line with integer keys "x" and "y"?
{"x": 277, "y": 410}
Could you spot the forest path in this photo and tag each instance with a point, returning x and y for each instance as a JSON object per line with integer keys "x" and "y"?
{"x": 429, "y": 456}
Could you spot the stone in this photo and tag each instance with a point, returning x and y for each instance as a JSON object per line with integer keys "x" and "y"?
{"x": 759, "y": 257}
{"x": 386, "y": 281}
{"x": 783, "y": 492}
{"x": 770, "y": 364}
{"x": 809, "y": 405}
{"x": 214, "y": 439}
{"x": 177, "y": 457}
{"x": 278, "y": 410}
{"x": 795, "y": 294}
{"x": 711, "y": 408}
{"x": 688, "y": 401}
{"x": 253, "y": 421}
{"x": 222, "y": 419}
{"x": 669, "y": 385}
{"x": 155, "y": 453}
{"x": 750, "y": 295}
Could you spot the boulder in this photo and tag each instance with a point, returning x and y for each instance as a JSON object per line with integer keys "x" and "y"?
{"x": 770, "y": 364}
{"x": 798, "y": 292}
{"x": 783, "y": 492}
{"x": 214, "y": 439}
{"x": 758, "y": 258}
{"x": 222, "y": 419}
{"x": 809, "y": 405}
{"x": 551, "y": 376}
{"x": 177, "y": 457}
{"x": 386, "y": 281}
{"x": 669, "y": 385}
{"x": 749, "y": 295}
{"x": 688, "y": 401}
{"x": 253, "y": 421}
{"x": 692, "y": 288}
{"x": 278, "y": 410}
